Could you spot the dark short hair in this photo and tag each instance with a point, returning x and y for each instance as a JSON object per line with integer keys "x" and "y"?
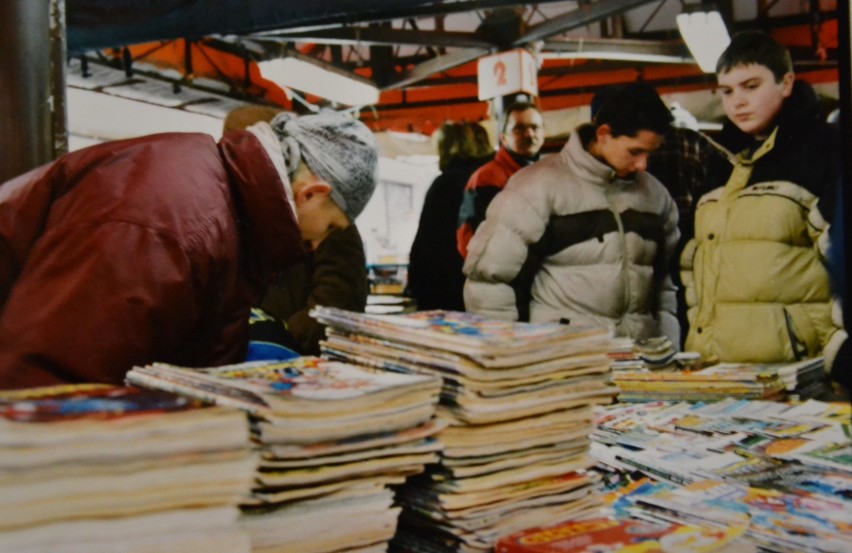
{"x": 515, "y": 107}
{"x": 600, "y": 98}
{"x": 632, "y": 108}
{"x": 755, "y": 47}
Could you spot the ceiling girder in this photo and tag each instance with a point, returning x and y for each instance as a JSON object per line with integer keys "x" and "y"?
{"x": 616, "y": 45}
{"x": 272, "y": 27}
{"x": 386, "y": 36}
{"x": 583, "y": 15}
{"x": 435, "y": 65}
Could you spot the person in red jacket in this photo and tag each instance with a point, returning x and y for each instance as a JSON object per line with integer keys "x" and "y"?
{"x": 154, "y": 248}
{"x": 521, "y": 138}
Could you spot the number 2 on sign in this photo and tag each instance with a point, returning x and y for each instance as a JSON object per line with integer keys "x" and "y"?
{"x": 500, "y": 73}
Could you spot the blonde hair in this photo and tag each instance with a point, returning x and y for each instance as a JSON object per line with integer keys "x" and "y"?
{"x": 461, "y": 141}
{"x": 245, "y": 116}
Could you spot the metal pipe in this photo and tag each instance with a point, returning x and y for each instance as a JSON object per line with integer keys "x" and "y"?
{"x": 26, "y": 139}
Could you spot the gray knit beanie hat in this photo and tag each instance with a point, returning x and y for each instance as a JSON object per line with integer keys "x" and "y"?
{"x": 338, "y": 149}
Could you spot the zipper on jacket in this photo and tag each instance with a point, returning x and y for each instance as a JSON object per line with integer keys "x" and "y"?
{"x": 800, "y": 348}
{"x": 624, "y": 277}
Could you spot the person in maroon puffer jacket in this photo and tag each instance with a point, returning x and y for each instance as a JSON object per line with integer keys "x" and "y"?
{"x": 154, "y": 248}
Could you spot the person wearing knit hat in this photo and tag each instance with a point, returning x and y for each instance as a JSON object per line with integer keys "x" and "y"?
{"x": 330, "y": 161}
{"x": 336, "y": 148}
{"x": 154, "y": 248}
{"x": 333, "y": 149}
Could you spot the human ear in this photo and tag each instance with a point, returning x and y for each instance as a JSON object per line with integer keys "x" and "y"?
{"x": 308, "y": 191}
{"x": 787, "y": 84}
{"x": 602, "y": 132}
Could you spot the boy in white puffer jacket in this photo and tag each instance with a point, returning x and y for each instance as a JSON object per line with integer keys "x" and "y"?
{"x": 585, "y": 235}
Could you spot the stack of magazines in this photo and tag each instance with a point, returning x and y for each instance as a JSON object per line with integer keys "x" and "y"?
{"x": 782, "y": 470}
{"x": 613, "y": 535}
{"x": 799, "y": 380}
{"x": 518, "y": 400}
{"x": 772, "y": 520}
{"x": 741, "y": 441}
{"x": 732, "y": 476}
{"x": 94, "y": 468}
{"x": 332, "y": 437}
{"x": 653, "y": 353}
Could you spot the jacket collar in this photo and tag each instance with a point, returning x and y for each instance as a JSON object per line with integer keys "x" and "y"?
{"x": 266, "y": 216}
{"x": 264, "y": 133}
{"x": 521, "y": 161}
{"x": 588, "y": 166}
{"x": 503, "y": 157}
{"x": 800, "y": 109}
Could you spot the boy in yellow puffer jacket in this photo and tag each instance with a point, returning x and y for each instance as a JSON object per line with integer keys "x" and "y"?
{"x": 756, "y": 284}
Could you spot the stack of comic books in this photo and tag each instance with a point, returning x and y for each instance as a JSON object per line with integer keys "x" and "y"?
{"x": 773, "y": 520}
{"x": 783, "y": 467}
{"x": 518, "y": 398}
{"x": 612, "y": 535}
{"x": 332, "y": 438}
{"x": 732, "y": 476}
{"x": 744, "y": 441}
{"x": 801, "y": 380}
{"x": 653, "y": 353}
{"x": 100, "y": 468}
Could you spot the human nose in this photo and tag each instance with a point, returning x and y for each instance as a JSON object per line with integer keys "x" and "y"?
{"x": 641, "y": 162}
{"x": 739, "y": 97}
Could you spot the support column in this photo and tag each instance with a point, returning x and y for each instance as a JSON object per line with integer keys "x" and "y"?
{"x": 58, "y": 63}
{"x": 29, "y": 99}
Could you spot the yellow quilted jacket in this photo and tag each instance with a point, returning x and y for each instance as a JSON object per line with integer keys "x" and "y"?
{"x": 755, "y": 282}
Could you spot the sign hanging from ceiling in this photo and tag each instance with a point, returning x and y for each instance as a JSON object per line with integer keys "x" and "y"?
{"x": 507, "y": 73}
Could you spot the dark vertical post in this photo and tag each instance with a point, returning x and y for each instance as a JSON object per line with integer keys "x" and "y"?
{"x": 58, "y": 61}
{"x": 844, "y": 62}
{"x": 25, "y": 86}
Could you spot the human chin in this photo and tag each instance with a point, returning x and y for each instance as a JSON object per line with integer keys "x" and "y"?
{"x": 624, "y": 173}
{"x": 750, "y": 126}
{"x": 310, "y": 230}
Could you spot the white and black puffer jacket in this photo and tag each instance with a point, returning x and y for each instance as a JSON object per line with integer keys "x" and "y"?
{"x": 568, "y": 240}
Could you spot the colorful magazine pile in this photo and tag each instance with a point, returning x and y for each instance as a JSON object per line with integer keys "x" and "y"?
{"x": 773, "y": 520}
{"x": 786, "y": 468}
{"x": 651, "y": 354}
{"x": 595, "y": 535}
{"x": 94, "y": 468}
{"x": 735, "y": 440}
{"x": 518, "y": 400}
{"x": 799, "y": 380}
{"x": 493, "y": 371}
{"x": 332, "y": 437}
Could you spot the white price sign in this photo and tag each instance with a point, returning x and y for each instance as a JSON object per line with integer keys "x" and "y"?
{"x": 507, "y": 73}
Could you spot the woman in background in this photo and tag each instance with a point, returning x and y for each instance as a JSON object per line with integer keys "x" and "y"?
{"x": 435, "y": 278}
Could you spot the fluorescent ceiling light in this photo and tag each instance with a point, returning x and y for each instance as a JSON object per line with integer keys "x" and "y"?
{"x": 706, "y": 37}
{"x": 314, "y": 78}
